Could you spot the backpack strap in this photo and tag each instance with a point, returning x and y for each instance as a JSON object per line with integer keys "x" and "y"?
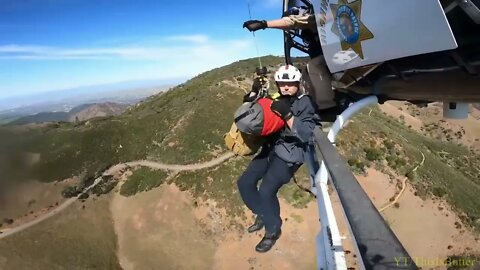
{"x": 243, "y": 115}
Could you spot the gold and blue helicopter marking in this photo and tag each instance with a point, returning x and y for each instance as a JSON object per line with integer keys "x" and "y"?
{"x": 348, "y": 26}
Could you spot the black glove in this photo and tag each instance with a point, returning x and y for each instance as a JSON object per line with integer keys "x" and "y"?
{"x": 256, "y": 87}
{"x": 249, "y": 97}
{"x": 281, "y": 107}
{"x": 254, "y": 25}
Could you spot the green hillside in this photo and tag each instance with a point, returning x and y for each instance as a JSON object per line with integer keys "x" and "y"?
{"x": 186, "y": 125}
{"x": 81, "y": 238}
{"x": 205, "y": 104}
{"x": 450, "y": 171}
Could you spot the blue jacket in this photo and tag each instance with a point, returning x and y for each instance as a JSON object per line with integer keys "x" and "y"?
{"x": 291, "y": 144}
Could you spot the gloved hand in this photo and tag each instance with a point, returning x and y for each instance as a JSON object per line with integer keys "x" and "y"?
{"x": 281, "y": 107}
{"x": 254, "y": 25}
{"x": 256, "y": 87}
{"x": 249, "y": 97}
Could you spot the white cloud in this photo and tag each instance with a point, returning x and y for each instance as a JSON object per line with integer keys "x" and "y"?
{"x": 22, "y": 49}
{"x": 199, "y": 46}
{"x": 176, "y": 59}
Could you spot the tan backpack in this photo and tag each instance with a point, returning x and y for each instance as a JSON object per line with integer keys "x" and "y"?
{"x": 240, "y": 143}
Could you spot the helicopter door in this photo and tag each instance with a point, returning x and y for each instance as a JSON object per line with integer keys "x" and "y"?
{"x": 358, "y": 33}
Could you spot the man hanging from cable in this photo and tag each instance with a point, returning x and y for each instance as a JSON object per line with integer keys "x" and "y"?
{"x": 303, "y": 19}
{"x": 280, "y": 157}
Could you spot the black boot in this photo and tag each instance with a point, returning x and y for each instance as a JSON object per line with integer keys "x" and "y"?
{"x": 258, "y": 225}
{"x": 268, "y": 241}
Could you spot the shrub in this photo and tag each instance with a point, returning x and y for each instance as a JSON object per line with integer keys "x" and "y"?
{"x": 105, "y": 186}
{"x": 439, "y": 191}
{"x": 70, "y": 191}
{"x": 143, "y": 179}
{"x": 389, "y": 144}
{"x": 400, "y": 161}
{"x": 360, "y": 165}
{"x": 84, "y": 196}
{"x": 8, "y": 220}
{"x": 352, "y": 162}
{"x": 356, "y": 163}
{"x": 412, "y": 175}
{"x": 373, "y": 154}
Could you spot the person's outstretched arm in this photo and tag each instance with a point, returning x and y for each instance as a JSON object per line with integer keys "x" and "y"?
{"x": 285, "y": 23}
{"x": 293, "y": 22}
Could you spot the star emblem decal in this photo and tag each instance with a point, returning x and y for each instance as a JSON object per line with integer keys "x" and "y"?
{"x": 348, "y": 25}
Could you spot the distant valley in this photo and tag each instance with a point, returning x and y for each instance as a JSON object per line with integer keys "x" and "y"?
{"x": 79, "y": 113}
{"x": 57, "y": 106}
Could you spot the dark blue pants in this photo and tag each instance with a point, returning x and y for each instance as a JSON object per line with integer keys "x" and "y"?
{"x": 263, "y": 200}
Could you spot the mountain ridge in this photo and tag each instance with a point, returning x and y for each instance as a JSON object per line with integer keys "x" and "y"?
{"x": 186, "y": 125}
{"x": 80, "y": 113}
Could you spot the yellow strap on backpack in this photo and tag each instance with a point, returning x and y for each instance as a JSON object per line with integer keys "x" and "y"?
{"x": 240, "y": 143}
{"x": 275, "y": 96}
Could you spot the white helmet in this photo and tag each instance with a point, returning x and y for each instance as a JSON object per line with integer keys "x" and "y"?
{"x": 288, "y": 73}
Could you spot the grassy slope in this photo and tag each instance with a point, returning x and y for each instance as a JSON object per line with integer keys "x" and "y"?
{"x": 68, "y": 149}
{"x": 206, "y": 105}
{"x": 142, "y": 179}
{"x": 142, "y": 132}
{"x": 450, "y": 171}
{"x": 65, "y": 241}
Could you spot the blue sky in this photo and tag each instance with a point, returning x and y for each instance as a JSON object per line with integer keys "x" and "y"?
{"x": 57, "y": 44}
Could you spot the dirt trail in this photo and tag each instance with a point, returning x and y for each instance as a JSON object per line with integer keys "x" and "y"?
{"x": 404, "y": 186}
{"x": 188, "y": 167}
{"x": 67, "y": 203}
{"x": 428, "y": 229}
{"x": 152, "y": 164}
